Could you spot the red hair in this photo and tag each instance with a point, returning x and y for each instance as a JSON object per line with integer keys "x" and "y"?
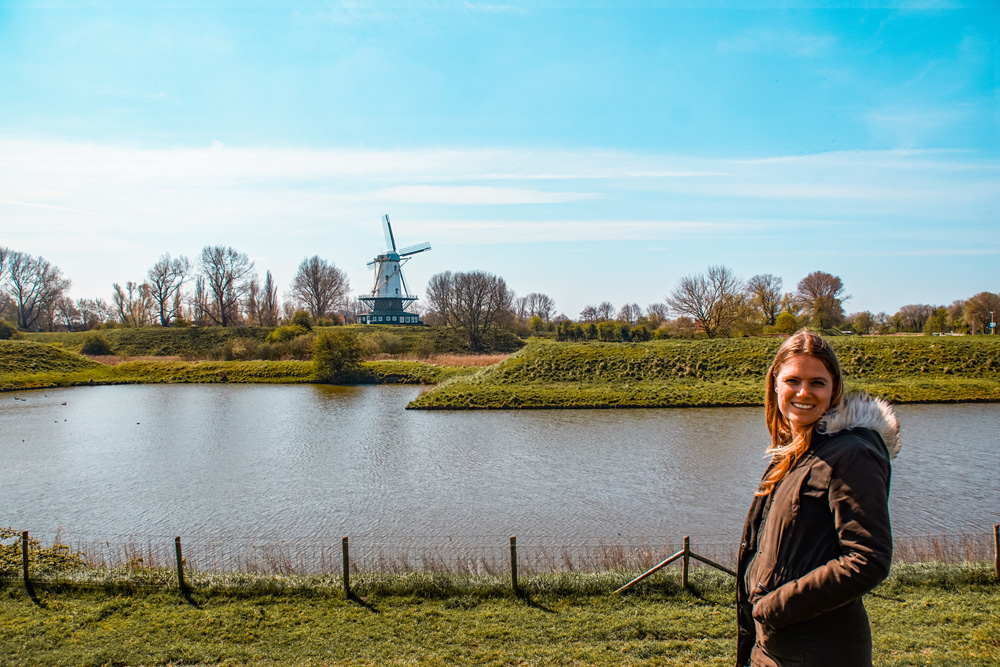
{"x": 786, "y": 450}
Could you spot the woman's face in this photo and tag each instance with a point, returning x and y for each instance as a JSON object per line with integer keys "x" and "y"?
{"x": 805, "y": 388}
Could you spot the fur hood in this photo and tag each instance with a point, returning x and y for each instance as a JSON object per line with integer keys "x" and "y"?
{"x": 863, "y": 411}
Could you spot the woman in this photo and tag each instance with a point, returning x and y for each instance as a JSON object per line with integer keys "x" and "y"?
{"x": 817, "y": 536}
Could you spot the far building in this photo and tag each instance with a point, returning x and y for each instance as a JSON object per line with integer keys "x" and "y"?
{"x": 389, "y": 298}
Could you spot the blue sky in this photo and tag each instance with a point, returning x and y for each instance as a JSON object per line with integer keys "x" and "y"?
{"x": 582, "y": 150}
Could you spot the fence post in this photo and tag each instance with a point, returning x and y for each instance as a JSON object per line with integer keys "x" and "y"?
{"x": 996, "y": 550}
{"x": 180, "y": 564}
{"x": 347, "y": 567}
{"x": 687, "y": 560}
{"x": 513, "y": 563}
{"x": 24, "y": 564}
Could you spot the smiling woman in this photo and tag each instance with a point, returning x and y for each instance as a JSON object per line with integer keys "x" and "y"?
{"x": 817, "y": 536}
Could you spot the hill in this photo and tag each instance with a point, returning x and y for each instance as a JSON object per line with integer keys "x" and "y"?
{"x": 547, "y": 374}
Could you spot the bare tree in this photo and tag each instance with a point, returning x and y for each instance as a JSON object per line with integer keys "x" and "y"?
{"x": 538, "y": 304}
{"x": 714, "y": 301}
{"x": 821, "y": 296}
{"x": 68, "y": 314}
{"x": 134, "y": 304}
{"x": 474, "y": 302}
{"x": 604, "y": 311}
{"x": 588, "y": 314}
{"x": 165, "y": 280}
{"x": 34, "y": 286}
{"x": 630, "y": 312}
{"x": 94, "y": 312}
{"x": 227, "y": 275}
{"x": 319, "y": 286}
{"x": 764, "y": 292}
{"x": 656, "y": 314}
{"x": 913, "y": 317}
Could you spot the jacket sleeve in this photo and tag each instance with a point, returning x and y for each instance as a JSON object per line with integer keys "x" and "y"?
{"x": 859, "y": 503}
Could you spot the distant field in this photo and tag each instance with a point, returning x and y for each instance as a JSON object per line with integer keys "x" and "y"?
{"x": 717, "y": 372}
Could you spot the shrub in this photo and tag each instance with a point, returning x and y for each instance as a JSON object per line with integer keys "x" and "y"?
{"x": 286, "y": 333}
{"x": 56, "y": 558}
{"x": 381, "y": 342}
{"x": 8, "y": 331}
{"x": 96, "y": 345}
{"x": 301, "y": 318}
{"x": 336, "y": 356}
{"x": 240, "y": 349}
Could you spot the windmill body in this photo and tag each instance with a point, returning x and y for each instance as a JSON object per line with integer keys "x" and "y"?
{"x": 389, "y": 297}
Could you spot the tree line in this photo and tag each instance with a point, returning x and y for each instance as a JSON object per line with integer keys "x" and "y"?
{"x": 223, "y": 288}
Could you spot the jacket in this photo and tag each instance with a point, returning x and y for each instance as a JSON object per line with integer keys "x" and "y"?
{"x": 817, "y": 543}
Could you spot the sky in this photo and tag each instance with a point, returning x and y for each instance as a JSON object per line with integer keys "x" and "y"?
{"x": 593, "y": 152}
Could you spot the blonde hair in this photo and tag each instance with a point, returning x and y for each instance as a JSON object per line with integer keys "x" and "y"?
{"x": 786, "y": 450}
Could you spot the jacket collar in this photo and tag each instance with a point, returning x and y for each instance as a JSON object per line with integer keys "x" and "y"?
{"x": 863, "y": 411}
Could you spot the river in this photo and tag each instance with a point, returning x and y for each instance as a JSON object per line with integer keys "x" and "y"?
{"x": 318, "y": 462}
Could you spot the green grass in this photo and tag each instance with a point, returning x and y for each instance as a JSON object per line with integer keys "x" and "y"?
{"x": 674, "y": 373}
{"x": 924, "y": 614}
{"x": 32, "y": 365}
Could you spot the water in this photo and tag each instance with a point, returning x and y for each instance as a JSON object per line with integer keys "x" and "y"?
{"x": 315, "y": 463}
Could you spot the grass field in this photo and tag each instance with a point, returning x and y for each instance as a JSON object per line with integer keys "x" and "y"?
{"x": 923, "y": 615}
{"x": 31, "y": 365}
{"x": 547, "y": 374}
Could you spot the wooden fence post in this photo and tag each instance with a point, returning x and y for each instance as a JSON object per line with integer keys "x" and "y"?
{"x": 687, "y": 560}
{"x": 513, "y": 563}
{"x": 180, "y": 564}
{"x": 347, "y": 567}
{"x": 24, "y": 564}
{"x": 996, "y": 550}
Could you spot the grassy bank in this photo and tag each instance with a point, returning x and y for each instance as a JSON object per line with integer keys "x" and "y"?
{"x": 930, "y": 614}
{"x": 32, "y": 365}
{"x": 547, "y": 374}
{"x": 210, "y": 342}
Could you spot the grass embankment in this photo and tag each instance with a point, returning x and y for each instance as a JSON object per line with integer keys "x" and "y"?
{"x": 31, "y": 365}
{"x": 673, "y": 373}
{"x": 937, "y": 614}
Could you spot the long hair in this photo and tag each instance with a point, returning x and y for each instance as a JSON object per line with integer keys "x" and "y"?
{"x": 785, "y": 450}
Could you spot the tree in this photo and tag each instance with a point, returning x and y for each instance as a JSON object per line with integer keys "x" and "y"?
{"x": 630, "y": 312}
{"x": 604, "y": 311}
{"x": 34, "y": 285}
{"x": 821, "y": 297}
{"x": 165, "y": 279}
{"x": 228, "y": 274}
{"x": 133, "y": 303}
{"x": 67, "y": 311}
{"x": 713, "y": 300}
{"x": 474, "y": 302}
{"x": 539, "y": 304}
{"x": 94, "y": 312}
{"x": 319, "y": 286}
{"x": 914, "y": 316}
{"x": 978, "y": 311}
{"x": 863, "y": 322}
{"x": 785, "y": 323}
{"x": 656, "y": 314}
{"x": 588, "y": 314}
{"x": 764, "y": 293}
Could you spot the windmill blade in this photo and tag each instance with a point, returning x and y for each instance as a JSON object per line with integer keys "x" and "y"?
{"x": 371, "y": 264}
{"x": 414, "y": 249}
{"x": 387, "y": 228}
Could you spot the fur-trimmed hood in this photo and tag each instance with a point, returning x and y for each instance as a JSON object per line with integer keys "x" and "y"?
{"x": 863, "y": 411}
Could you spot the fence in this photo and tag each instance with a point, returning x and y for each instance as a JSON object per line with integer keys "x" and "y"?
{"x": 165, "y": 562}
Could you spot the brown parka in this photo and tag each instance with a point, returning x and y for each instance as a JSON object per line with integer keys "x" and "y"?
{"x": 817, "y": 543}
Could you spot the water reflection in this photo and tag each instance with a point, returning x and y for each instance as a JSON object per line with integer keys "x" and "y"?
{"x": 321, "y": 462}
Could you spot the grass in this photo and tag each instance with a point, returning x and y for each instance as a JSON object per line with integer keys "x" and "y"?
{"x": 924, "y": 614}
{"x": 28, "y": 364}
{"x": 673, "y": 373}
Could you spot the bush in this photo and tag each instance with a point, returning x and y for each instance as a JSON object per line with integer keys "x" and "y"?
{"x": 336, "y": 356}
{"x": 8, "y": 331}
{"x": 286, "y": 333}
{"x": 381, "y": 342}
{"x": 241, "y": 349}
{"x": 96, "y": 345}
{"x": 301, "y": 318}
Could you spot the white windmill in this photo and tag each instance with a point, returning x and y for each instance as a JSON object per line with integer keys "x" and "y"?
{"x": 389, "y": 297}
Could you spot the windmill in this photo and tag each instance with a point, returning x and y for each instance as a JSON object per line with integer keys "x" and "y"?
{"x": 389, "y": 297}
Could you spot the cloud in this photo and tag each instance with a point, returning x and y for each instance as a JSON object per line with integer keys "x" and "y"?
{"x": 770, "y": 40}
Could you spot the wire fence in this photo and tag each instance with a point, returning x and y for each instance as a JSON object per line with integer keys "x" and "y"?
{"x": 154, "y": 558}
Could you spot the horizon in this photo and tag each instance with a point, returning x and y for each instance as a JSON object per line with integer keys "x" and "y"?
{"x": 586, "y": 152}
